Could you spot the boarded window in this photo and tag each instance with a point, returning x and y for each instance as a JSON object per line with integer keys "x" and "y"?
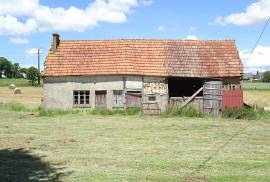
{"x": 81, "y": 98}
{"x": 133, "y": 99}
{"x": 152, "y": 98}
{"x": 118, "y": 97}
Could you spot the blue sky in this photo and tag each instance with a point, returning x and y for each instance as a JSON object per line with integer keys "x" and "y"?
{"x": 28, "y": 24}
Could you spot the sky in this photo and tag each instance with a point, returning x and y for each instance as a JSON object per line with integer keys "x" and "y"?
{"x": 28, "y": 24}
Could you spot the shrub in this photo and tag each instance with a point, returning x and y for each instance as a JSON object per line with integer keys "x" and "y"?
{"x": 245, "y": 113}
{"x": 184, "y": 112}
{"x": 266, "y": 77}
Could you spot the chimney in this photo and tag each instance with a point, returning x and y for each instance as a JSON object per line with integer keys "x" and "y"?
{"x": 56, "y": 41}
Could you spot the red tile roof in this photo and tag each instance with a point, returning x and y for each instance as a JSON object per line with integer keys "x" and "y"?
{"x": 178, "y": 58}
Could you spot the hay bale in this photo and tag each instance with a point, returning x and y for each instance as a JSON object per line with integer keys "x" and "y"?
{"x": 12, "y": 87}
{"x": 267, "y": 109}
{"x": 17, "y": 91}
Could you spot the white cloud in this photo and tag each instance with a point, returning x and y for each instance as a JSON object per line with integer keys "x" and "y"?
{"x": 191, "y": 37}
{"x": 257, "y": 12}
{"x": 160, "y": 28}
{"x": 19, "y": 40}
{"x": 32, "y": 52}
{"x": 192, "y": 29}
{"x": 23, "y": 17}
{"x": 258, "y": 61}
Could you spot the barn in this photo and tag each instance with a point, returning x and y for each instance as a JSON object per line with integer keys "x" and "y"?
{"x": 128, "y": 73}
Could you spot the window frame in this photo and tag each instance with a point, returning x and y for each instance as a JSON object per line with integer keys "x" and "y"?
{"x": 118, "y": 98}
{"x": 81, "y": 99}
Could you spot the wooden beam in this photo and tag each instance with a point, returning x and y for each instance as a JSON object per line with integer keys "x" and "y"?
{"x": 191, "y": 98}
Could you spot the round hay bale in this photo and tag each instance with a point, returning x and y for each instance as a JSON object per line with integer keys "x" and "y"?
{"x": 17, "y": 91}
{"x": 12, "y": 87}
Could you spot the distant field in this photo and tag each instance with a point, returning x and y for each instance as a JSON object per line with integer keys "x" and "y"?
{"x": 256, "y": 86}
{"x": 259, "y": 98}
{"x": 31, "y": 96}
{"x": 5, "y": 82}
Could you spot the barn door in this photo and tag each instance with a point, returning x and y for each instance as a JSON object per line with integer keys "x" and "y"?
{"x": 133, "y": 99}
{"x": 101, "y": 99}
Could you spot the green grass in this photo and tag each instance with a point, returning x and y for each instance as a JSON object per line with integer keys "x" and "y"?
{"x": 256, "y": 86}
{"x": 5, "y": 82}
{"x": 132, "y": 148}
{"x": 184, "y": 112}
{"x": 39, "y": 111}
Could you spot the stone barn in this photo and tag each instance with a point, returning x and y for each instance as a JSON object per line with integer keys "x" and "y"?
{"x": 130, "y": 72}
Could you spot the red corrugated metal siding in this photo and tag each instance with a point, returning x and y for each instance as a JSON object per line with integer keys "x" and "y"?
{"x": 232, "y": 98}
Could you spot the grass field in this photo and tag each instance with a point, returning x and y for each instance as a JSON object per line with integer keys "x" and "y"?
{"x": 256, "y": 86}
{"x": 132, "y": 148}
{"x": 17, "y": 82}
{"x": 258, "y": 98}
{"x": 31, "y": 96}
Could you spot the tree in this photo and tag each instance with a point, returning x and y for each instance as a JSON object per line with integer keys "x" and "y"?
{"x": 266, "y": 77}
{"x": 32, "y": 75}
{"x": 16, "y": 70}
{"x": 5, "y": 67}
{"x": 23, "y": 72}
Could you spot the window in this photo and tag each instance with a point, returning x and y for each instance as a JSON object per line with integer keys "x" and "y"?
{"x": 81, "y": 98}
{"x": 152, "y": 98}
{"x": 118, "y": 97}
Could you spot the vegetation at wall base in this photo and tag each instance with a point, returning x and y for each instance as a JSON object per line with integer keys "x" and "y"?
{"x": 184, "y": 112}
{"x": 245, "y": 113}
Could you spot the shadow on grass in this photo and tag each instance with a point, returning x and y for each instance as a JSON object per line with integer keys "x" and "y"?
{"x": 21, "y": 165}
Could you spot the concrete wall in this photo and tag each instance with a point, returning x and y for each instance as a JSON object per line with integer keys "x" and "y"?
{"x": 58, "y": 91}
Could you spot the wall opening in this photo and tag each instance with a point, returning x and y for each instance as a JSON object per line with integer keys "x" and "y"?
{"x": 179, "y": 87}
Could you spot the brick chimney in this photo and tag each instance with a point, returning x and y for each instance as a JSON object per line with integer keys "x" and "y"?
{"x": 56, "y": 41}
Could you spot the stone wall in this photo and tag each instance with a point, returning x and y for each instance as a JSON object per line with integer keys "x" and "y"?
{"x": 58, "y": 91}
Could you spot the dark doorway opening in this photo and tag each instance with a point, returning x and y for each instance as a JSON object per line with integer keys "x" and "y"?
{"x": 179, "y": 87}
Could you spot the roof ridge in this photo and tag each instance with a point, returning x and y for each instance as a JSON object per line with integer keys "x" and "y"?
{"x": 151, "y": 39}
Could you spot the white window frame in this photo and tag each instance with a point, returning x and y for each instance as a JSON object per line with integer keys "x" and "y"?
{"x": 81, "y": 98}
{"x": 118, "y": 98}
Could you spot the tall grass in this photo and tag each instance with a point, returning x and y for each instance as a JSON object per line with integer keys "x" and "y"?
{"x": 15, "y": 107}
{"x": 102, "y": 112}
{"x": 246, "y": 113}
{"x": 184, "y": 112}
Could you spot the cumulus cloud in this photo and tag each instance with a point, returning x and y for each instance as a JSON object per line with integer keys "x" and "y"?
{"x": 258, "y": 61}
{"x": 19, "y": 40}
{"x": 256, "y": 13}
{"x": 160, "y": 28}
{"x": 191, "y": 37}
{"x": 23, "y": 17}
{"x": 32, "y": 52}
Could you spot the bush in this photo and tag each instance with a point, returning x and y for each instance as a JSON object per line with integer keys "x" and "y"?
{"x": 245, "y": 113}
{"x": 266, "y": 77}
{"x": 184, "y": 112}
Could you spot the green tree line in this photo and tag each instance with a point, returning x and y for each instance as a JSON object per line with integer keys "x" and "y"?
{"x": 13, "y": 70}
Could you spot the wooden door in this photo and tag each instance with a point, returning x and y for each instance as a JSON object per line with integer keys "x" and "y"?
{"x": 134, "y": 100}
{"x": 101, "y": 97}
